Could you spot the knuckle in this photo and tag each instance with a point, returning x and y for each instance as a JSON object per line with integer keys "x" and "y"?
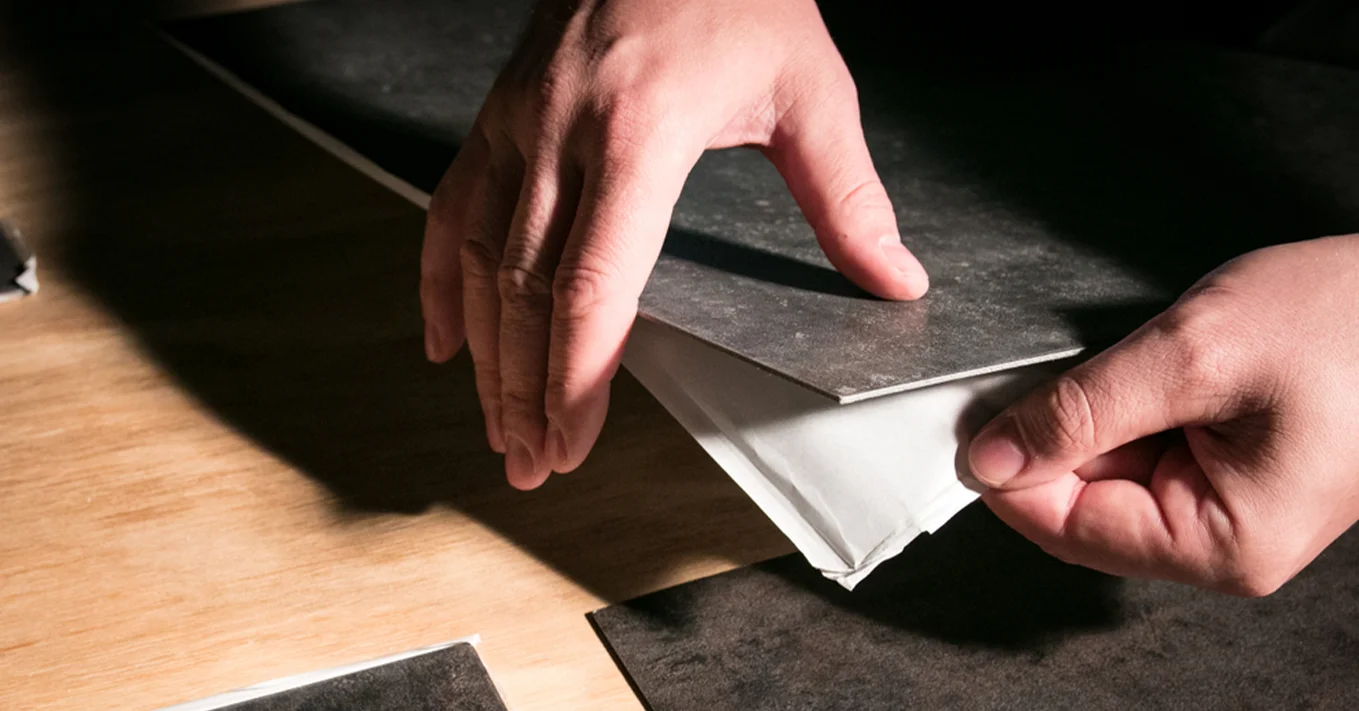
{"x": 479, "y": 261}
{"x": 578, "y": 289}
{"x": 1254, "y": 567}
{"x": 487, "y": 378}
{"x": 1065, "y": 422}
{"x": 836, "y": 83}
{"x": 626, "y": 120}
{"x": 531, "y": 100}
{"x": 867, "y": 195}
{"x": 524, "y": 287}
{"x": 1254, "y": 583}
{"x": 1198, "y": 355}
{"x": 818, "y": 87}
{"x": 552, "y": 101}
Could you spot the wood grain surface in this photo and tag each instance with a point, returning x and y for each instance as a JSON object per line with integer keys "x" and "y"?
{"x": 223, "y": 458}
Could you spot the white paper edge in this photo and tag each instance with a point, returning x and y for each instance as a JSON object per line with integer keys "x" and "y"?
{"x": 305, "y": 679}
{"x": 729, "y": 457}
{"x": 744, "y": 469}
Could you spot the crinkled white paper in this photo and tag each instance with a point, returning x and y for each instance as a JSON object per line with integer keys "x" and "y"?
{"x": 850, "y": 485}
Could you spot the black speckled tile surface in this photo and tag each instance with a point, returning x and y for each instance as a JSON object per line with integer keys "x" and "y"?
{"x": 451, "y": 679}
{"x": 974, "y": 617}
{"x": 1057, "y": 191}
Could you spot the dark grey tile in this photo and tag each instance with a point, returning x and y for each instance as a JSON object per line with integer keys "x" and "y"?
{"x": 451, "y": 679}
{"x": 975, "y": 617}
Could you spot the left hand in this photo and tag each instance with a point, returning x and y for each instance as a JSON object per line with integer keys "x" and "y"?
{"x": 1218, "y": 445}
{"x": 547, "y": 225}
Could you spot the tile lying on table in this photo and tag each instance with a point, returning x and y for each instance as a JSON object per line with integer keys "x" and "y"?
{"x": 448, "y": 677}
{"x": 975, "y": 617}
{"x": 1054, "y": 204}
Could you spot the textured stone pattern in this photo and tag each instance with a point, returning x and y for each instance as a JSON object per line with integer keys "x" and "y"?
{"x": 975, "y": 617}
{"x": 451, "y": 679}
{"x": 1055, "y": 203}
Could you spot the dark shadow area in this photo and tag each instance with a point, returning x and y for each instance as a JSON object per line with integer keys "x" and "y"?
{"x": 402, "y": 145}
{"x": 975, "y": 582}
{"x": 758, "y": 264}
{"x": 1124, "y": 134}
{"x": 279, "y": 288}
{"x": 976, "y": 617}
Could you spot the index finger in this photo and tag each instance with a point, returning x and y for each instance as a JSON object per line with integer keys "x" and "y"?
{"x": 620, "y": 225}
{"x": 1165, "y": 522}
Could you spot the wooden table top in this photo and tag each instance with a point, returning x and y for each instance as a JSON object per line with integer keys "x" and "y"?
{"x": 223, "y": 458}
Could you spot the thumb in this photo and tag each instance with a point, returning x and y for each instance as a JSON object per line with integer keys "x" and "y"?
{"x": 1159, "y": 378}
{"x": 820, "y": 152}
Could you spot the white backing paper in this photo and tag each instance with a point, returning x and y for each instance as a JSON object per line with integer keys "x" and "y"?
{"x": 850, "y": 485}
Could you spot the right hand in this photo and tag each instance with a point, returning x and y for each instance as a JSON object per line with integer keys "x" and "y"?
{"x": 1215, "y": 446}
{"x": 547, "y": 225}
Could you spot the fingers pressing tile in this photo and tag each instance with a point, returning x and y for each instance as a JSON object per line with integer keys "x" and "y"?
{"x": 915, "y": 280}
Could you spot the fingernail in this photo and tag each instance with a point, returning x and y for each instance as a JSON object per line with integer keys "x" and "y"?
{"x": 904, "y": 262}
{"x": 495, "y": 433}
{"x": 997, "y": 454}
{"x": 519, "y": 465}
{"x": 556, "y": 447}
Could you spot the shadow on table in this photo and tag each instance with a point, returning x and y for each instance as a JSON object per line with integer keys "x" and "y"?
{"x": 278, "y": 290}
{"x": 1165, "y": 156}
{"x": 977, "y": 583}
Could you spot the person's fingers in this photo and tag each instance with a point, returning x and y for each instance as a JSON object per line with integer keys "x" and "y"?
{"x": 450, "y": 212}
{"x": 819, "y": 149}
{"x": 1164, "y": 376}
{"x": 542, "y": 222}
{"x": 1176, "y": 528}
{"x": 620, "y": 226}
{"x": 481, "y": 252}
